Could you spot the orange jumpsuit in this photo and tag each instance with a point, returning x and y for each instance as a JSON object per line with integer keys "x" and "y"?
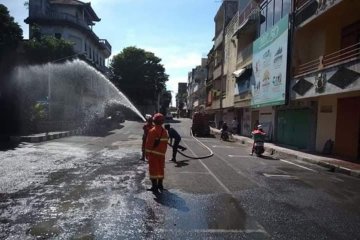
{"x": 146, "y": 129}
{"x": 156, "y": 155}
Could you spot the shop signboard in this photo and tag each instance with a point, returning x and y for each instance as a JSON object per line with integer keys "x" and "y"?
{"x": 270, "y": 66}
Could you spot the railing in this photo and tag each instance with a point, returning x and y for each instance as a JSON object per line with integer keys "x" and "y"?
{"x": 218, "y": 39}
{"x": 106, "y": 44}
{"x": 321, "y": 4}
{"x": 336, "y": 58}
{"x": 248, "y": 10}
{"x": 300, "y": 3}
{"x": 61, "y": 16}
{"x": 245, "y": 54}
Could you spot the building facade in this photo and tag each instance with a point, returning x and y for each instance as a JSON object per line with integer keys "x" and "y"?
{"x": 181, "y": 99}
{"x": 292, "y": 66}
{"x": 197, "y": 87}
{"x": 326, "y": 73}
{"x": 71, "y": 20}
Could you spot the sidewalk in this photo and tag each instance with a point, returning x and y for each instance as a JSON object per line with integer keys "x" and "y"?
{"x": 334, "y": 164}
{"x": 40, "y": 137}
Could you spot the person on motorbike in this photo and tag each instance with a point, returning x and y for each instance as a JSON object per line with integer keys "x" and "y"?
{"x": 258, "y": 135}
{"x": 224, "y": 132}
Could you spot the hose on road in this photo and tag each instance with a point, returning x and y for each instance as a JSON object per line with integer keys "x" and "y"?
{"x": 191, "y": 157}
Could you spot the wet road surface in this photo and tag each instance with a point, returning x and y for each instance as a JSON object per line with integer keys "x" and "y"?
{"x": 85, "y": 187}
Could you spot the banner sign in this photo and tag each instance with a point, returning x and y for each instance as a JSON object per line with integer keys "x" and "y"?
{"x": 270, "y": 65}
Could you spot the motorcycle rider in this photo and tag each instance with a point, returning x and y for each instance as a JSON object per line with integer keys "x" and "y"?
{"x": 224, "y": 132}
{"x": 258, "y": 135}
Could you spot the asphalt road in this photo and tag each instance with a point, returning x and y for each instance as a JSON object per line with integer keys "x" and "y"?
{"x": 94, "y": 187}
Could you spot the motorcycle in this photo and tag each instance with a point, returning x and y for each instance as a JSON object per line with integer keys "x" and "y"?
{"x": 259, "y": 148}
{"x": 224, "y": 135}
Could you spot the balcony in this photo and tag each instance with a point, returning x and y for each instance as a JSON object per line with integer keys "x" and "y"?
{"x": 217, "y": 72}
{"x": 106, "y": 45}
{"x": 337, "y": 58}
{"x": 218, "y": 40}
{"x": 249, "y": 10}
{"x": 306, "y": 10}
{"x": 245, "y": 54}
{"x": 322, "y": 4}
{"x": 57, "y": 16}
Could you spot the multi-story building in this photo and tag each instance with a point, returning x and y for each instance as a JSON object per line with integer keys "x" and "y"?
{"x": 294, "y": 67}
{"x": 181, "y": 99}
{"x": 217, "y": 85}
{"x": 197, "y": 87}
{"x": 325, "y": 86}
{"x": 71, "y": 20}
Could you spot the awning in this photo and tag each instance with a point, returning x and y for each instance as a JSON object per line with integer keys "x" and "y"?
{"x": 243, "y": 73}
{"x": 238, "y": 72}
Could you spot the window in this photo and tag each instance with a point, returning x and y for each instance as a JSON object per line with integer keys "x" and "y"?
{"x": 270, "y": 15}
{"x": 286, "y": 7}
{"x": 277, "y": 10}
{"x": 263, "y": 25}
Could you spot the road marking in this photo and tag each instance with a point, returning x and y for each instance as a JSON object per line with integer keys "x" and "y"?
{"x": 211, "y": 173}
{"x": 279, "y": 175}
{"x": 300, "y": 166}
{"x": 204, "y": 173}
{"x": 220, "y": 146}
{"x": 214, "y": 231}
{"x": 240, "y": 156}
{"x": 261, "y": 228}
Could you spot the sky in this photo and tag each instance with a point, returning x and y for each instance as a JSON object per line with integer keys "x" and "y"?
{"x": 180, "y": 32}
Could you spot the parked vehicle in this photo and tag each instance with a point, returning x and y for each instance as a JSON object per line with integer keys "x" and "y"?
{"x": 200, "y": 125}
{"x": 169, "y": 116}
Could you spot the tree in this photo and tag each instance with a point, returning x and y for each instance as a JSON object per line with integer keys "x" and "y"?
{"x": 138, "y": 74}
{"x": 41, "y": 49}
{"x": 10, "y": 32}
{"x": 10, "y": 38}
{"x": 165, "y": 100}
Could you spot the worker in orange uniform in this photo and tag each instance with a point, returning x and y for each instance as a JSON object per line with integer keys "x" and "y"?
{"x": 147, "y": 126}
{"x": 155, "y": 149}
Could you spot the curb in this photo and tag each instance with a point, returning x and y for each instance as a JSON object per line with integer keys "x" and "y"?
{"x": 281, "y": 154}
{"x": 45, "y": 136}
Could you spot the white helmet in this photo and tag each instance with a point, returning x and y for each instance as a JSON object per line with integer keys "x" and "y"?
{"x": 148, "y": 117}
{"x": 259, "y": 126}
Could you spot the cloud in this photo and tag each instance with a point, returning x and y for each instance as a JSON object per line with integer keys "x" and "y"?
{"x": 174, "y": 57}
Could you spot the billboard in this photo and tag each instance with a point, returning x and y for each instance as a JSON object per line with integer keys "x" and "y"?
{"x": 270, "y": 66}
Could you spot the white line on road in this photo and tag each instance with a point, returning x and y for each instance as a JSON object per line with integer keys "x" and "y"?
{"x": 300, "y": 166}
{"x": 278, "y": 175}
{"x": 214, "y": 231}
{"x": 220, "y": 146}
{"x": 211, "y": 173}
{"x": 240, "y": 156}
{"x": 261, "y": 228}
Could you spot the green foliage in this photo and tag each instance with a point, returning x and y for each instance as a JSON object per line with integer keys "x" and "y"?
{"x": 39, "y": 112}
{"x": 165, "y": 99}
{"x": 47, "y": 49}
{"x": 10, "y": 31}
{"x": 138, "y": 74}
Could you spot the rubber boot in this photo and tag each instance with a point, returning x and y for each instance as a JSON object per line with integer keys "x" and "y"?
{"x": 160, "y": 185}
{"x": 154, "y": 185}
